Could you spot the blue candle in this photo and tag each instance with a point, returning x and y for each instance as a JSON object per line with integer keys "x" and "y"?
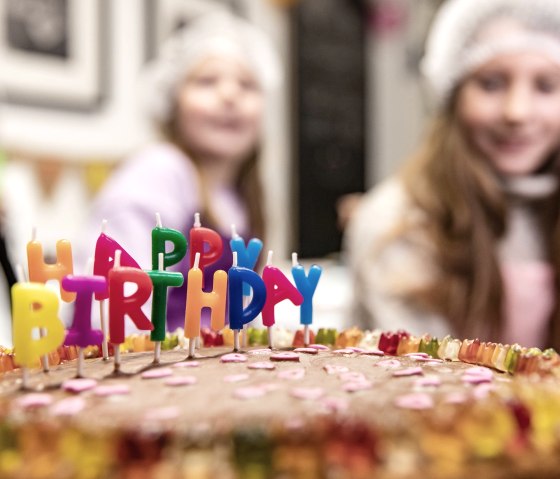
{"x": 160, "y": 236}
{"x": 247, "y": 255}
{"x": 238, "y": 316}
{"x": 306, "y": 285}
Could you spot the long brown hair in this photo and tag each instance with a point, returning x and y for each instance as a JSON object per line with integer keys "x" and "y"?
{"x": 465, "y": 216}
{"x": 247, "y": 184}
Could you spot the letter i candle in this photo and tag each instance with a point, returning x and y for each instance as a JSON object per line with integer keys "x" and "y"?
{"x": 306, "y": 285}
{"x": 278, "y": 288}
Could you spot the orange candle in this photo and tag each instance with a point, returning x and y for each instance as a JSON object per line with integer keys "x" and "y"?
{"x": 41, "y": 272}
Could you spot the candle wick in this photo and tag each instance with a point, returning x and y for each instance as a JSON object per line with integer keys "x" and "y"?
{"x": 294, "y": 259}
{"x": 234, "y": 258}
{"x": 20, "y": 273}
{"x": 196, "y": 260}
{"x": 269, "y": 259}
{"x": 34, "y": 233}
{"x": 104, "y": 226}
{"x": 197, "y": 223}
{"x": 117, "y": 259}
{"x": 160, "y": 261}
{"x": 89, "y": 266}
{"x": 234, "y": 231}
{"x": 158, "y": 220}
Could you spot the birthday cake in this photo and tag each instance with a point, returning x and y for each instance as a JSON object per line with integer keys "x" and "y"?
{"x": 354, "y": 405}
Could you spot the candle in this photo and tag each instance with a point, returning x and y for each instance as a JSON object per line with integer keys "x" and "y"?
{"x": 278, "y": 288}
{"x": 247, "y": 255}
{"x": 40, "y": 272}
{"x": 197, "y": 299}
{"x": 161, "y": 280}
{"x": 105, "y": 251}
{"x": 206, "y": 242}
{"x": 160, "y": 236}
{"x": 121, "y": 306}
{"x": 34, "y": 307}
{"x": 81, "y": 333}
{"x": 239, "y": 315}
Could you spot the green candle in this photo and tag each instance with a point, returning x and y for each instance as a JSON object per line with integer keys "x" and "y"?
{"x": 160, "y": 236}
{"x": 161, "y": 280}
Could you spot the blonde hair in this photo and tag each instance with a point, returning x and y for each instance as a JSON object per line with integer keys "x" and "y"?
{"x": 465, "y": 209}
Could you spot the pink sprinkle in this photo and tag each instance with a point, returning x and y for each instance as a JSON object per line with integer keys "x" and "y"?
{"x": 372, "y": 352}
{"x": 306, "y": 350}
{"x": 483, "y": 390}
{"x": 186, "y": 364}
{"x": 249, "y": 392}
{"x": 157, "y": 373}
{"x": 335, "y": 369}
{"x": 428, "y": 360}
{"x": 269, "y": 387}
{"x": 456, "y": 398}
{"x": 417, "y": 355}
{"x": 69, "y": 406}
{"x": 79, "y": 385}
{"x": 262, "y": 365}
{"x": 415, "y": 401}
{"x": 285, "y": 356}
{"x": 111, "y": 390}
{"x": 427, "y": 381}
{"x": 344, "y": 351}
{"x": 181, "y": 381}
{"x": 33, "y": 400}
{"x": 389, "y": 364}
{"x": 352, "y": 376}
{"x": 233, "y": 358}
{"x": 163, "y": 413}
{"x": 473, "y": 379}
{"x": 353, "y": 386}
{"x": 235, "y": 378}
{"x": 320, "y": 347}
{"x": 408, "y": 372}
{"x": 292, "y": 374}
{"x": 260, "y": 352}
{"x": 307, "y": 393}
{"x": 335, "y": 404}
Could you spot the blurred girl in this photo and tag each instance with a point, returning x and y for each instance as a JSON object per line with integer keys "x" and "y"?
{"x": 466, "y": 238}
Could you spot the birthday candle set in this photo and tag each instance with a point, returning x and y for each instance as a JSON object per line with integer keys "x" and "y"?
{"x": 240, "y": 293}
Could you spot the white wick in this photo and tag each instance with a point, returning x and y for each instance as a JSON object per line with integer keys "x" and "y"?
{"x": 269, "y": 259}
{"x": 89, "y": 266}
{"x": 20, "y": 273}
{"x": 158, "y": 220}
{"x": 160, "y": 261}
{"x": 234, "y": 263}
{"x": 33, "y": 233}
{"x": 294, "y": 259}
{"x": 196, "y": 260}
{"x": 234, "y": 233}
{"x": 103, "y": 226}
{"x": 197, "y": 223}
{"x": 117, "y": 259}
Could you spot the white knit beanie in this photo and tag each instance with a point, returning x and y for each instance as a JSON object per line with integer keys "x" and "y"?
{"x": 458, "y": 43}
{"x": 218, "y": 32}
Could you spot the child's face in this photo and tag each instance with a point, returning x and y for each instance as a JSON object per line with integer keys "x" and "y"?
{"x": 220, "y": 110}
{"x": 510, "y": 108}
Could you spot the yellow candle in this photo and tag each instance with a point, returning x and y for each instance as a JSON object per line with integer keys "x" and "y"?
{"x": 197, "y": 299}
{"x": 40, "y": 272}
{"x": 34, "y": 306}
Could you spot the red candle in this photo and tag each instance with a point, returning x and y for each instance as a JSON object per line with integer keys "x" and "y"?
{"x": 206, "y": 242}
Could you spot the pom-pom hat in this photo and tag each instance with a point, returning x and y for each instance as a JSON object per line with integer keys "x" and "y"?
{"x": 217, "y": 33}
{"x": 467, "y": 33}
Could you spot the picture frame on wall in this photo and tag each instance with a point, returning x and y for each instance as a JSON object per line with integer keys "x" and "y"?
{"x": 54, "y": 53}
{"x": 163, "y": 17}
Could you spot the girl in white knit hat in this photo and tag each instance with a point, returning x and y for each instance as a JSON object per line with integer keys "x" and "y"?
{"x": 465, "y": 239}
{"x": 206, "y": 93}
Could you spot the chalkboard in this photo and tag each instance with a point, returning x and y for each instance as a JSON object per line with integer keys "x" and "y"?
{"x": 329, "y": 50}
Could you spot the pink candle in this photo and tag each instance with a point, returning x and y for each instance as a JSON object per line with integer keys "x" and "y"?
{"x": 206, "y": 242}
{"x": 121, "y": 306}
{"x": 40, "y": 272}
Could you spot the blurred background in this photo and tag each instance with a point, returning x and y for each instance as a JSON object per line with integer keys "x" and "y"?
{"x": 350, "y": 111}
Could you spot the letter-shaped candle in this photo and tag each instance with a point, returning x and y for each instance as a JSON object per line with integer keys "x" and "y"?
{"x": 278, "y": 288}
{"x": 239, "y": 316}
{"x": 121, "y": 305}
{"x": 197, "y": 299}
{"x": 306, "y": 285}
{"x": 34, "y": 307}
{"x": 105, "y": 250}
{"x": 247, "y": 255}
{"x": 81, "y": 333}
{"x": 160, "y": 236}
{"x": 40, "y": 272}
{"x": 161, "y": 280}
{"x": 206, "y": 242}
